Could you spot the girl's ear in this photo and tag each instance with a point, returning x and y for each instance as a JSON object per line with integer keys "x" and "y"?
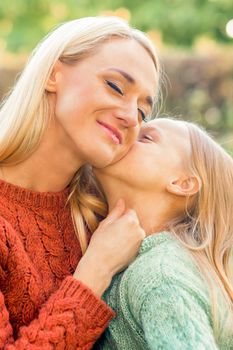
{"x": 185, "y": 186}
{"x": 51, "y": 85}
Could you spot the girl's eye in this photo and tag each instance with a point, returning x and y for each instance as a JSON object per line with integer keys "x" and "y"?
{"x": 143, "y": 116}
{"x": 148, "y": 137}
{"x": 114, "y": 87}
{"x": 145, "y": 137}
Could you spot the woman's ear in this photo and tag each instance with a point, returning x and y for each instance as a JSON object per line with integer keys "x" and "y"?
{"x": 51, "y": 85}
{"x": 185, "y": 186}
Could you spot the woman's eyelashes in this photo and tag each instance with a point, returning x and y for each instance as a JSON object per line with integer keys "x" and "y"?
{"x": 114, "y": 87}
{"x": 143, "y": 115}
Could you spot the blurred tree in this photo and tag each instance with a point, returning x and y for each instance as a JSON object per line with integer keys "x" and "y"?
{"x": 24, "y": 22}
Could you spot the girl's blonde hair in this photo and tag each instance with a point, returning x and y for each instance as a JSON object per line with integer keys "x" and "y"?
{"x": 207, "y": 229}
{"x": 25, "y": 112}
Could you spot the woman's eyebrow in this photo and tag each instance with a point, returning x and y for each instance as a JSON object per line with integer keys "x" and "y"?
{"x": 132, "y": 81}
{"x": 127, "y": 76}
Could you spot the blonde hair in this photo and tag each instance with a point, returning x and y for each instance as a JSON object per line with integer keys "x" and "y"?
{"x": 25, "y": 112}
{"x": 207, "y": 229}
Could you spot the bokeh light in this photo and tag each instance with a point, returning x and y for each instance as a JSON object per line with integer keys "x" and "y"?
{"x": 229, "y": 28}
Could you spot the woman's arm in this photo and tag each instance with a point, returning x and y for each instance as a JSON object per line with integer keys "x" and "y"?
{"x": 72, "y": 318}
{"x": 173, "y": 318}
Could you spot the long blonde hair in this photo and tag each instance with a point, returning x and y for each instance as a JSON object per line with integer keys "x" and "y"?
{"x": 25, "y": 112}
{"x": 207, "y": 229}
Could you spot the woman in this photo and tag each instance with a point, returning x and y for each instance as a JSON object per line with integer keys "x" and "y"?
{"x": 178, "y": 293}
{"x": 80, "y": 100}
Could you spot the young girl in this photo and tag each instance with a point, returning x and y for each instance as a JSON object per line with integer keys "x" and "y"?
{"x": 80, "y": 100}
{"x": 178, "y": 293}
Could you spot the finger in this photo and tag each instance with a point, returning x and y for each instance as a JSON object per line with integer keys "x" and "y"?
{"x": 116, "y": 212}
{"x": 132, "y": 213}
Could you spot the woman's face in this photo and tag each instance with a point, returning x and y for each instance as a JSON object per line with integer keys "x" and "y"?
{"x": 159, "y": 155}
{"x": 101, "y": 101}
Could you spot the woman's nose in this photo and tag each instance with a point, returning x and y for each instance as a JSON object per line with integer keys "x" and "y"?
{"x": 128, "y": 115}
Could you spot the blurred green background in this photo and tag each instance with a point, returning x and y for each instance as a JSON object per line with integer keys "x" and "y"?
{"x": 194, "y": 39}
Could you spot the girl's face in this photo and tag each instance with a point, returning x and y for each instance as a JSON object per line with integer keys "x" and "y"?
{"x": 101, "y": 101}
{"x": 159, "y": 156}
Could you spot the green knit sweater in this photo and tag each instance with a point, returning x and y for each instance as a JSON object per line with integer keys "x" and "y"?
{"x": 161, "y": 302}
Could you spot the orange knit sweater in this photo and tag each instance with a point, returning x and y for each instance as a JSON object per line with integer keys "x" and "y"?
{"x": 41, "y": 305}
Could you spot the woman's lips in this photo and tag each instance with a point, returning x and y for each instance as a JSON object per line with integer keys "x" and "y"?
{"x": 112, "y": 132}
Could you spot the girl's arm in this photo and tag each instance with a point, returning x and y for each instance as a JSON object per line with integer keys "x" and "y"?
{"x": 174, "y": 318}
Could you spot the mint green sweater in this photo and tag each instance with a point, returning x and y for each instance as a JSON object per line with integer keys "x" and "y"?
{"x": 161, "y": 302}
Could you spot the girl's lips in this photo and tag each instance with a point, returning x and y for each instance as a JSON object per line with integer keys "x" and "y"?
{"x": 112, "y": 132}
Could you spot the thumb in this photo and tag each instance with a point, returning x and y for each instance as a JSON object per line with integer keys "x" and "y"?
{"x": 117, "y": 211}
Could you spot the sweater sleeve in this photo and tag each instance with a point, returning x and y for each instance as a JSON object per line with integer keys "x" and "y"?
{"x": 172, "y": 318}
{"x": 72, "y": 318}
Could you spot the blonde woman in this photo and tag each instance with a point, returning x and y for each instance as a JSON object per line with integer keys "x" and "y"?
{"x": 178, "y": 293}
{"x": 80, "y": 100}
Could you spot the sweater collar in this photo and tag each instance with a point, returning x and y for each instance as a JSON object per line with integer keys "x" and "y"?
{"x": 154, "y": 240}
{"x": 32, "y": 198}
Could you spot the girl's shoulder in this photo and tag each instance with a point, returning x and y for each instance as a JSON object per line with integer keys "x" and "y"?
{"x": 162, "y": 256}
{"x": 162, "y": 260}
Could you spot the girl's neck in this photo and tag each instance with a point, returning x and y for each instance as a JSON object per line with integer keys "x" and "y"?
{"x": 153, "y": 211}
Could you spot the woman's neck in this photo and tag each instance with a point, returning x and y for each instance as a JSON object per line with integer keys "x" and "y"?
{"x": 49, "y": 168}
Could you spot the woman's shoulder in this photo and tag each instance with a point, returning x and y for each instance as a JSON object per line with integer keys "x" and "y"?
{"x": 5, "y": 228}
{"x": 6, "y": 240}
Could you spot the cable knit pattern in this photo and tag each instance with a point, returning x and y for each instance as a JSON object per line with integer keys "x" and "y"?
{"x": 161, "y": 302}
{"x": 41, "y": 305}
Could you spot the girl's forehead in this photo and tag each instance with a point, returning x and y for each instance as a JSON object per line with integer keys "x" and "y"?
{"x": 166, "y": 124}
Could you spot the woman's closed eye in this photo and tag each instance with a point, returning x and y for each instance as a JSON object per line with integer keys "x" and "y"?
{"x": 143, "y": 115}
{"x": 115, "y": 87}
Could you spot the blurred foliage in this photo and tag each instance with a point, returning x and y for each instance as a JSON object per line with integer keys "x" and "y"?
{"x": 180, "y": 22}
{"x": 199, "y": 87}
{"x": 196, "y": 52}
